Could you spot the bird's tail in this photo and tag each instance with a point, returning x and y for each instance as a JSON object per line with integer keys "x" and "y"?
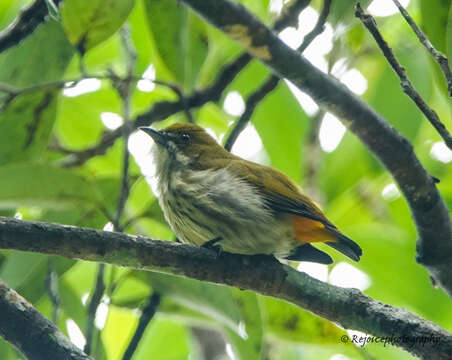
{"x": 345, "y": 245}
{"x": 311, "y": 231}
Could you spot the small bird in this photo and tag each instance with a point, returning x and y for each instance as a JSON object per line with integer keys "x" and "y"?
{"x": 209, "y": 195}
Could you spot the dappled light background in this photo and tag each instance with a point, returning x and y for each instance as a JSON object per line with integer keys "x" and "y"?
{"x": 287, "y": 131}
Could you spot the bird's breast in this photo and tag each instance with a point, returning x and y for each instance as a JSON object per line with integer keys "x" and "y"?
{"x": 202, "y": 205}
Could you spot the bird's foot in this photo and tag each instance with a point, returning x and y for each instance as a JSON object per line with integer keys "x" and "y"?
{"x": 212, "y": 245}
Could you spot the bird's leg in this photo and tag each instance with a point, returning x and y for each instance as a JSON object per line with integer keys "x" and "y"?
{"x": 212, "y": 245}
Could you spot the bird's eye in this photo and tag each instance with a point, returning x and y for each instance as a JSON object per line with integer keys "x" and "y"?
{"x": 185, "y": 138}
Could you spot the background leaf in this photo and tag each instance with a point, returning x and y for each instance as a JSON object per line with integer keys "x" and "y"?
{"x": 89, "y": 23}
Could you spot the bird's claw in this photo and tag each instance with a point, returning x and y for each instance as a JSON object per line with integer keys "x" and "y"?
{"x": 212, "y": 245}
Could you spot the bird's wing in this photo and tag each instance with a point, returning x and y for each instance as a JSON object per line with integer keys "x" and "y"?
{"x": 280, "y": 193}
{"x": 283, "y": 195}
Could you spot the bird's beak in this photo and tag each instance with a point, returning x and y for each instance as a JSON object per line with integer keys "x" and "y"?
{"x": 159, "y": 137}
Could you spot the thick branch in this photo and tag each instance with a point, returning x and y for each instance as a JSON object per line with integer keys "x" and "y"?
{"x": 394, "y": 151}
{"x": 405, "y": 82}
{"x": 24, "y": 25}
{"x": 347, "y": 307}
{"x": 35, "y": 336}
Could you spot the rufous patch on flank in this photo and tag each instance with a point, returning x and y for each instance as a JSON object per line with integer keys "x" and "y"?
{"x": 309, "y": 231}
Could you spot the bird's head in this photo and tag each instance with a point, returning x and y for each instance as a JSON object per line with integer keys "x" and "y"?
{"x": 182, "y": 144}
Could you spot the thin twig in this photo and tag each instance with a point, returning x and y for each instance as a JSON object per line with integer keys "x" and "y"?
{"x": 12, "y": 91}
{"x": 181, "y": 96}
{"x": 438, "y": 56}
{"x": 124, "y": 88}
{"x": 313, "y": 160}
{"x": 251, "y": 102}
{"x": 318, "y": 28}
{"x": 163, "y": 109}
{"x": 93, "y": 304}
{"x": 272, "y": 81}
{"x": 146, "y": 316}
{"x": 52, "y": 289}
{"x": 406, "y": 84}
{"x": 289, "y": 15}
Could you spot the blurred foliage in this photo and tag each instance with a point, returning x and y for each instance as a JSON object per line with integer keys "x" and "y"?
{"x": 185, "y": 51}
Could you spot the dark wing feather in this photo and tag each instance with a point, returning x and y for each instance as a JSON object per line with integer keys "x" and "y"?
{"x": 279, "y": 191}
{"x": 283, "y": 195}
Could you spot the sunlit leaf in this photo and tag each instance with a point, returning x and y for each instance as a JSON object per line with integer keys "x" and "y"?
{"x": 28, "y": 119}
{"x": 289, "y": 322}
{"x": 89, "y": 23}
{"x": 181, "y": 49}
{"x": 43, "y": 186}
{"x": 40, "y": 58}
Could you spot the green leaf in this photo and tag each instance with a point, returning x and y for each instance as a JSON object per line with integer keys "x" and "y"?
{"x": 28, "y": 119}
{"x": 180, "y": 50}
{"x": 283, "y": 127}
{"x": 140, "y": 35}
{"x": 164, "y": 340}
{"x": 41, "y": 57}
{"x": 79, "y": 123}
{"x": 115, "y": 342}
{"x": 435, "y": 17}
{"x": 289, "y": 322}
{"x": 216, "y": 301}
{"x": 29, "y": 280}
{"x": 436, "y": 24}
{"x": 130, "y": 292}
{"x": 44, "y": 186}
{"x": 8, "y": 11}
{"x": 88, "y": 23}
{"x": 15, "y": 274}
{"x": 343, "y": 11}
{"x": 8, "y": 351}
{"x": 71, "y": 304}
{"x": 249, "y": 344}
{"x": 385, "y": 93}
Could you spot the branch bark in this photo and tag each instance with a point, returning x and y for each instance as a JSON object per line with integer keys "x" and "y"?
{"x": 434, "y": 247}
{"x": 439, "y": 57}
{"x": 408, "y": 88}
{"x": 272, "y": 81}
{"x": 347, "y": 307}
{"x": 35, "y": 336}
{"x": 24, "y": 25}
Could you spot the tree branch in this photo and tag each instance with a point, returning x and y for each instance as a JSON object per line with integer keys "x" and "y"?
{"x": 347, "y": 307}
{"x": 51, "y": 283}
{"x": 442, "y": 60}
{"x": 93, "y": 304}
{"x": 272, "y": 81}
{"x": 24, "y": 25}
{"x": 35, "y": 336}
{"x": 251, "y": 103}
{"x": 394, "y": 151}
{"x": 405, "y": 82}
{"x": 147, "y": 314}
{"x": 163, "y": 109}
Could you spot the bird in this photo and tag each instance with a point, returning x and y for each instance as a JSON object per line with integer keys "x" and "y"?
{"x": 211, "y": 197}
